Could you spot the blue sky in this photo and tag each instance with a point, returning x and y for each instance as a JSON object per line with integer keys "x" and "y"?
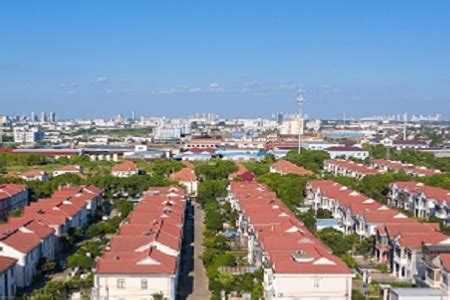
{"x": 236, "y": 58}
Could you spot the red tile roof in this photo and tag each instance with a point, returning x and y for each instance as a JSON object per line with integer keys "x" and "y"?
{"x": 33, "y": 173}
{"x": 351, "y": 166}
{"x": 9, "y": 190}
{"x": 149, "y": 240}
{"x": 185, "y": 174}
{"x": 125, "y": 166}
{"x": 6, "y": 263}
{"x": 285, "y": 167}
{"x": 282, "y": 236}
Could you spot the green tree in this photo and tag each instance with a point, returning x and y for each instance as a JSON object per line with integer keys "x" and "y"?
{"x": 215, "y": 169}
{"x": 336, "y": 240}
{"x": 211, "y": 190}
{"x": 309, "y": 159}
{"x": 258, "y": 168}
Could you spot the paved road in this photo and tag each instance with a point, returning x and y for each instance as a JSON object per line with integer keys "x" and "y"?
{"x": 193, "y": 283}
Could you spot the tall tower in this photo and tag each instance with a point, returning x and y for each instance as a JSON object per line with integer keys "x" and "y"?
{"x": 43, "y": 117}
{"x": 405, "y": 124}
{"x": 52, "y": 117}
{"x": 300, "y": 100}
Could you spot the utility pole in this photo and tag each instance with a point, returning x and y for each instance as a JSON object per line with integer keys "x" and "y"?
{"x": 300, "y": 100}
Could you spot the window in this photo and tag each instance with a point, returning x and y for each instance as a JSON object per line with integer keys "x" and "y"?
{"x": 144, "y": 284}
{"x": 120, "y": 283}
{"x": 316, "y": 283}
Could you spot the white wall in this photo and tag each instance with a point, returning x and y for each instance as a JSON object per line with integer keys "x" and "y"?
{"x": 106, "y": 285}
{"x": 312, "y": 286}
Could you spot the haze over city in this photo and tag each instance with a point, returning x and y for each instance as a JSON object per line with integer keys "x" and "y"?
{"x": 98, "y": 58}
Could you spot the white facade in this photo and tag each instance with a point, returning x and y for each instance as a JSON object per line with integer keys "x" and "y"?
{"x": 133, "y": 286}
{"x": 291, "y": 127}
{"x": 307, "y": 286}
{"x": 359, "y": 154}
{"x": 191, "y": 186}
{"x": 25, "y": 135}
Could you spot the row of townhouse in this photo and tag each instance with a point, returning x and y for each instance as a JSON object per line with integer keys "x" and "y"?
{"x": 385, "y": 165}
{"x": 296, "y": 264}
{"x": 348, "y": 168}
{"x": 421, "y": 200}
{"x": 143, "y": 259}
{"x": 398, "y": 238}
{"x": 286, "y": 167}
{"x": 36, "y": 234}
{"x": 186, "y": 177}
{"x": 12, "y": 196}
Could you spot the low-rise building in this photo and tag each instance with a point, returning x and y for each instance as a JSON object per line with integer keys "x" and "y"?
{"x": 295, "y": 263}
{"x": 348, "y": 168}
{"x": 12, "y": 196}
{"x": 69, "y": 169}
{"x": 384, "y": 165}
{"x": 186, "y": 176}
{"x": 125, "y": 169}
{"x": 144, "y": 258}
{"x": 347, "y": 152}
{"x": 398, "y": 238}
{"x": 35, "y": 175}
{"x": 7, "y": 279}
{"x": 286, "y": 167}
{"x": 421, "y": 200}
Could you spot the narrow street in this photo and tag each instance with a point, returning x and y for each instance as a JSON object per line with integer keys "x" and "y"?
{"x": 193, "y": 284}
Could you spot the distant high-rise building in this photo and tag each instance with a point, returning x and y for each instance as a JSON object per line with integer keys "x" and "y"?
{"x": 133, "y": 115}
{"x": 33, "y": 117}
{"x": 52, "y": 117}
{"x": 280, "y": 118}
{"x": 43, "y": 117}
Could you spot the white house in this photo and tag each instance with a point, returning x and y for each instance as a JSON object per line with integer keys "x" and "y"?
{"x": 125, "y": 169}
{"x": 347, "y": 152}
{"x": 34, "y": 175}
{"x": 69, "y": 169}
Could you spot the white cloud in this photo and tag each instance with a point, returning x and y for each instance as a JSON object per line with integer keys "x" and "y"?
{"x": 215, "y": 87}
{"x": 101, "y": 79}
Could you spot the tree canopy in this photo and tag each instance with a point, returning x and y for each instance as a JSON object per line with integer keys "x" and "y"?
{"x": 309, "y": 159}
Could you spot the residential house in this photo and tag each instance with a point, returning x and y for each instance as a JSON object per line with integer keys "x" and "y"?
{"x": 69, "y": 169}
{"x": 7, "y": 279}
{"x": 144, "y": 258}
{"x": 286, "y": 167}
{"x": 34, "y": 175}
{"x": 12, "y": 196}
{"x": 347, "y": 152}
{"x": 125, "y": 169}
{"x": 295, "y": 263}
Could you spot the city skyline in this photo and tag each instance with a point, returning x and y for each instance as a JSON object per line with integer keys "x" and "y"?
{"x": 237, "y": 60}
